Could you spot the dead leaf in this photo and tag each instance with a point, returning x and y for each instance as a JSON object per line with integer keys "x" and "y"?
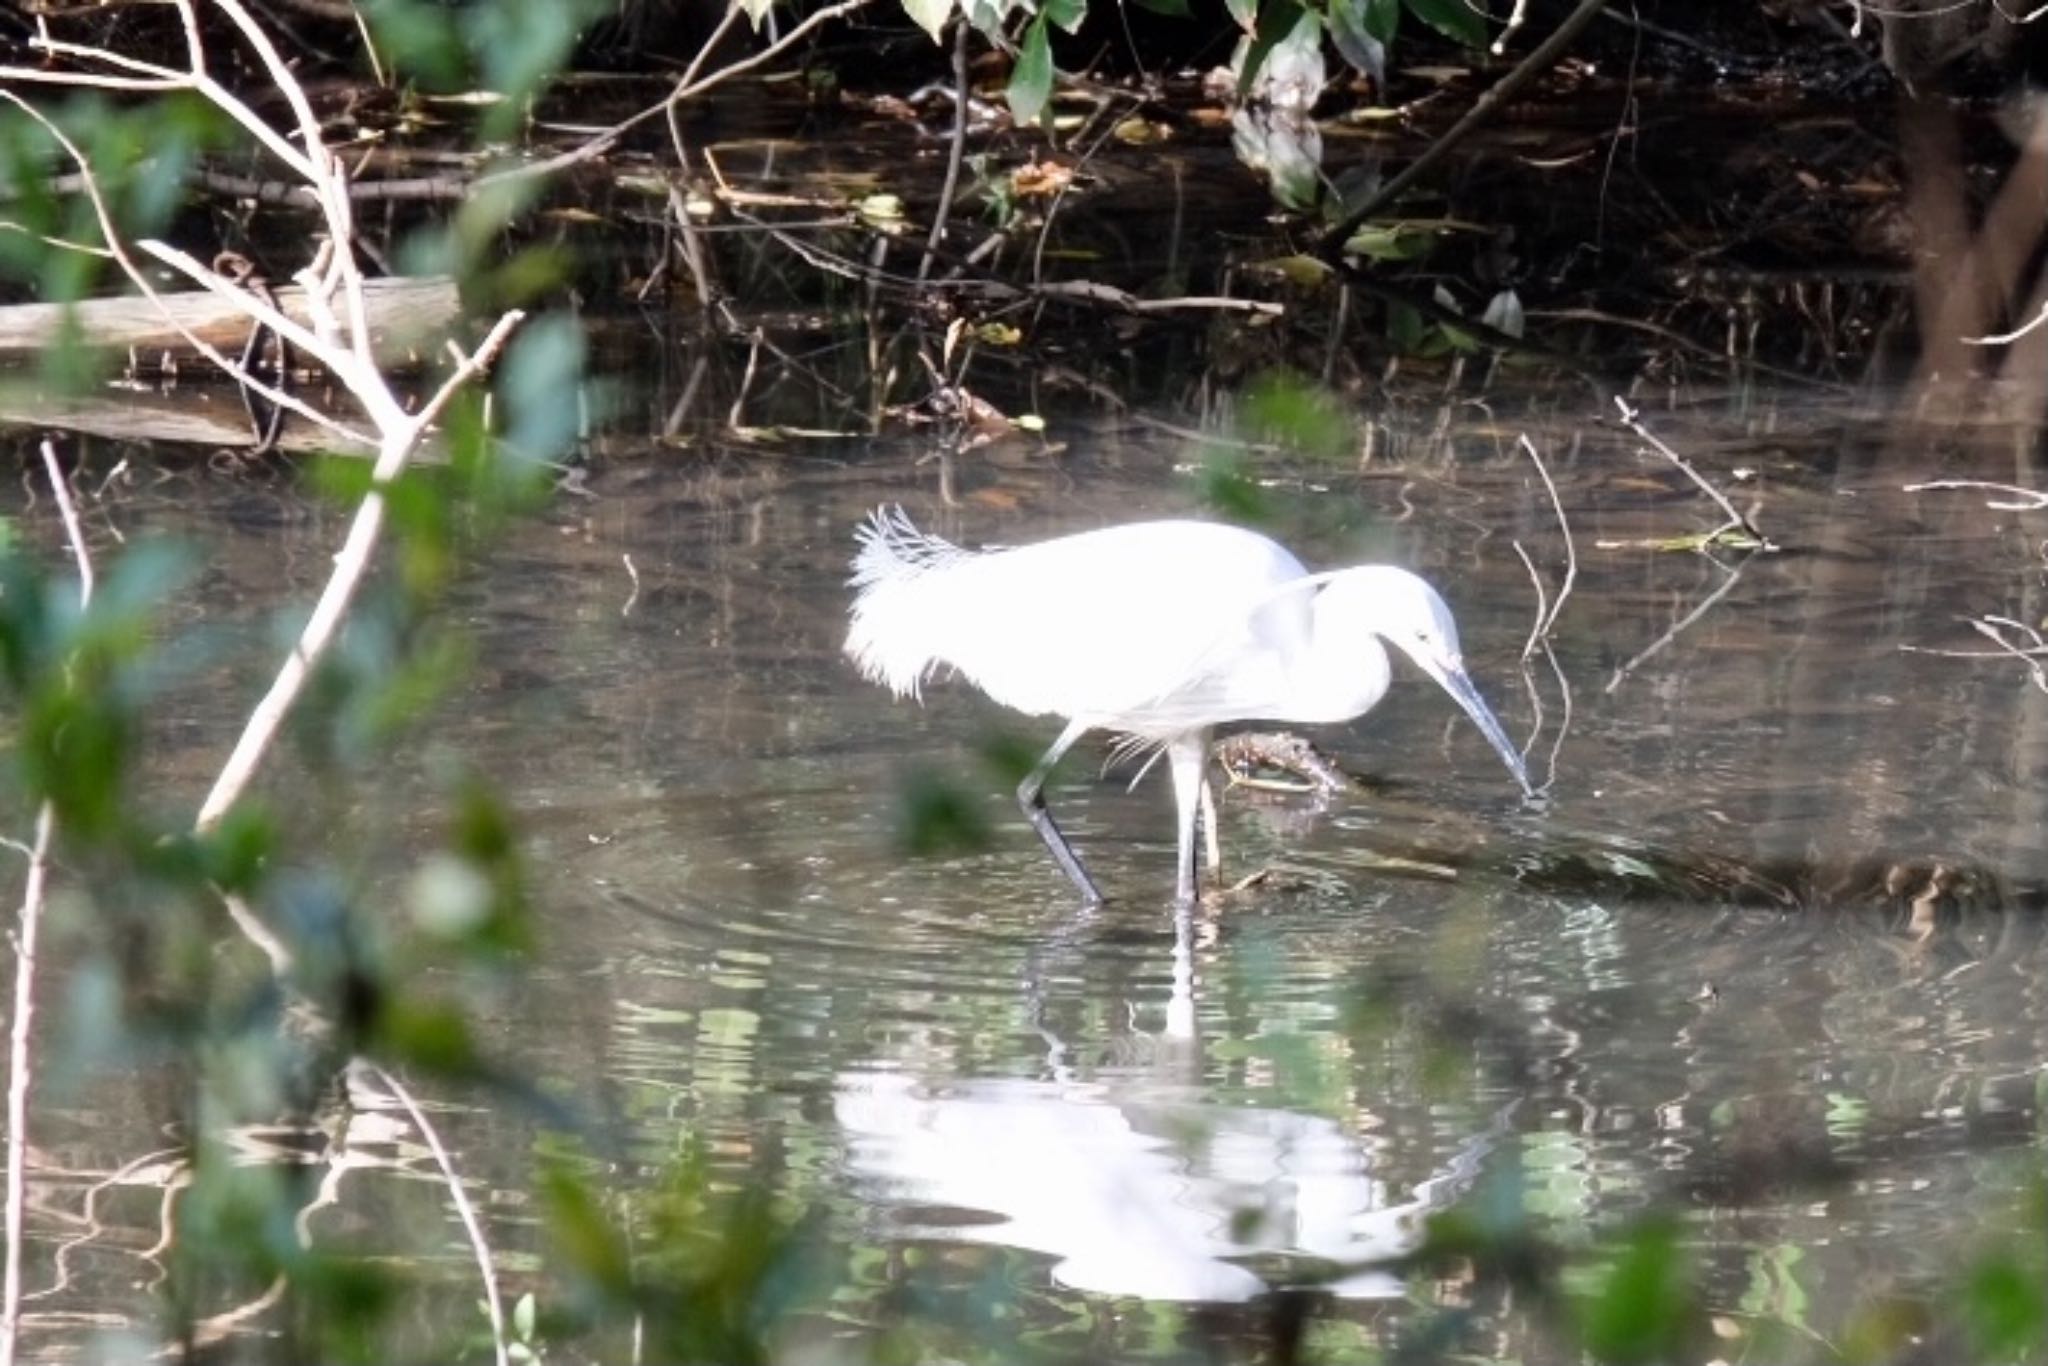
{"x": 1137, "y": 132}
{"x": 1041, "y": 178}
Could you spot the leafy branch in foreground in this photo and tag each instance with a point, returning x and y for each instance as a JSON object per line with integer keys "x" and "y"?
{"x": 255, "y": 1049}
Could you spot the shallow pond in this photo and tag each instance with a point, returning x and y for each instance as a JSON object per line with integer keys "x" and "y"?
{"x": 1767, "y": 957}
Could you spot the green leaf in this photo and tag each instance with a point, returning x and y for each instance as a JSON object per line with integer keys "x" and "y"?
{"x": 1224, "y": 485}
{"x": 1068, "y": 14}
{"x": 1356, "y": 42}
{"x": 1245, "y": 12}
{"x": 1405, "y": 327}
{"x": 987, "y": 16}
{"x": 1277, "y": 21}
{"x": 430, "y": 1035}
{"x": 1173, "y": 9}
{"x": 582, "y": 1233}
{"x": 1286, "y": 409}
{"x": 1383, "y": 19}
{"x": 1643, "y": 1305}
{"x": 934, "y": 817}
{"x": 419, "y": 39}
{"x": 1455, "y": 19}
{"x": 541, "y": 373}
{"x": 519, "y": 48}
{"x": 2003, "y": 1309}
{"x": 236, "y": 850}
{"x": 523, "y": 1317}
{"x": 1458, "y": 339}
{"x": 1389, "y": 242}
{"x": 1031, "y": 78}
{"x": 929, "y": 15}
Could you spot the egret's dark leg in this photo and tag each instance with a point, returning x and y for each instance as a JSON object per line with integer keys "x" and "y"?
{"x": 1188, "y": 757}
{"x": 1031, "y": 796}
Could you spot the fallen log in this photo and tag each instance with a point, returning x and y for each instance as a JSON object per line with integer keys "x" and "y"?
{"x": 206, "y": 415}
{"x": 409, "y": 318}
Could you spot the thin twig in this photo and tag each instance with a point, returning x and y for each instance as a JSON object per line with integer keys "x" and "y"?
{"x": 1571, "y": 554}
{"x": 93, "y": 1227}
{"x": 60, "y": 489}
{"x": 2007, "y": 338}
{"x": 1536, "y": 627}
{"x": 1679, "y": 626}
{"x": 2008, "y": 624}
{"x": 1516, "y": 18}
{"x": 215, "y": 1329}
{"x": 955, "y": 154}
{"x": 261, "y": 935}
{"x": 140, "y": 278}
{"x": 1564, "y": 724}
{"x": 689, "y": 87}
{"x": 1631, "y": 419}
{"x": 1985, "y": 627}
{"x": 690, "y": 234}
{"x": 1535, "y": 634}
{"x": 463, "y": 1209}
{"x": 739, "y": 400}
{"x": 1540, "y": 57}
{"x": 351, "y": 563}
{"x": 2033, "y": 501}
{"x": 30, "y": 919}
{"x": 1904, "y": 649}
{"x": 30, "y": 922}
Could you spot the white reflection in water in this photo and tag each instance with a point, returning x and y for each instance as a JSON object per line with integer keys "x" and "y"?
{"x": 1133, "y": 1182}
{"x": 1134, "y": 1193}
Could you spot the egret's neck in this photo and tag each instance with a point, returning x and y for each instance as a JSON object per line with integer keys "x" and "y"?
{"x": 1344, "y": 670}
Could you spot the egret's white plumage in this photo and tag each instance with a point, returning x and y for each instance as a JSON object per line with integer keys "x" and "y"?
{"x": 1158, "y": 630}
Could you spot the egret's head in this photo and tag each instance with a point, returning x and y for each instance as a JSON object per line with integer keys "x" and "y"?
{"x": 1403, "y": 610}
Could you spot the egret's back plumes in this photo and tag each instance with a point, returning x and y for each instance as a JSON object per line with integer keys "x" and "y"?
{"x": 901, "y": 601}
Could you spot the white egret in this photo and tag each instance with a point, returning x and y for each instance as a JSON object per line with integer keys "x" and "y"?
{"x": 1157, "y": 630}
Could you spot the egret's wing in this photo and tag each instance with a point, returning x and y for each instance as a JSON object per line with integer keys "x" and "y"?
{"x": 1240, "y": 667}
{"x": 1117, "y": 625}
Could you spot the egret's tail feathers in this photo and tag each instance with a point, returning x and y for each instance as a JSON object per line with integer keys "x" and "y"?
{"x": 898, "y": 610}
{"x": 891, "y": 548}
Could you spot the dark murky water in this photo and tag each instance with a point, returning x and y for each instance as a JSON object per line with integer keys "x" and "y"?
{"x": 1696, "y": 976}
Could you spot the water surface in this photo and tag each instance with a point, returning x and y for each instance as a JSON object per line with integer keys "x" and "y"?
{"x": 1705, "y": 973}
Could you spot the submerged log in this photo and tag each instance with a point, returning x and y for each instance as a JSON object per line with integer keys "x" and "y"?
{"x": 408, "y": 320}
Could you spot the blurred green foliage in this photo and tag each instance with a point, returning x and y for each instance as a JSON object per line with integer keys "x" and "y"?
{"x": 154, "y": 975}
{"x": 935, "y": 817}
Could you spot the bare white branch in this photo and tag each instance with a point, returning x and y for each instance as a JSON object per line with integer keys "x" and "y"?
{"x": 1571, "y": 554}
{"x": 29, "y": 922}
{"x": 463, "y": 1209}
{"x": 2027, "y": 499}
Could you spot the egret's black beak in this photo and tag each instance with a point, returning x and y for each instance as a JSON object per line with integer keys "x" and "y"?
{"x": 1460, "y": 686}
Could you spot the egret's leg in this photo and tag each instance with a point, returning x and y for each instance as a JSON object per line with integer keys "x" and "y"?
{"x": 1212, "y": 844}
{"x": 1180, "y": 1005}
{"x": 1031, "y": 796}
{"x": 1187, "y": 757}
